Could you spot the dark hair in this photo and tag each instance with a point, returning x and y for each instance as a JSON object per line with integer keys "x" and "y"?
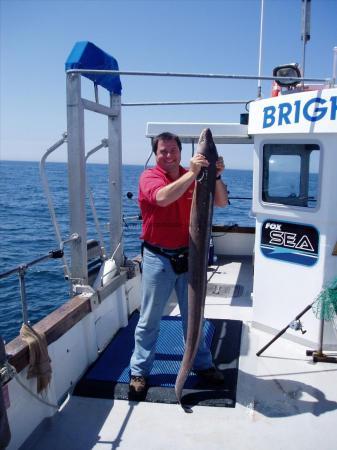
{"x": 166, "y": 136}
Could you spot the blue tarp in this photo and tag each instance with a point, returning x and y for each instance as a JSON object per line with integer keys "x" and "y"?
{"x": 85, "y": 55}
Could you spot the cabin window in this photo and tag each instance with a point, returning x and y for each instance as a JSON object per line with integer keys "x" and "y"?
{"x": 290, "y": 174}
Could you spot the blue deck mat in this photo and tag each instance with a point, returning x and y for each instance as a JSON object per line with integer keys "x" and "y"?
{"x": 113, "y": 364}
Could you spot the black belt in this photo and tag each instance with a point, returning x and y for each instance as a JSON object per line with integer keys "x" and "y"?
{"x": 165, "y": 251}
{"x": 178, "y": 257}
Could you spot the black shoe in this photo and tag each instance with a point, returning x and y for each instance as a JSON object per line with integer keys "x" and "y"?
{"x": 211, "y": 376}
{"x": 138, "y": 385}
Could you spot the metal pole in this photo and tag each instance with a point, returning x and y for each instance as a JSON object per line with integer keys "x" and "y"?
{"x": 320, "y": 338}
{"x": 306, "y": 6}
{"x": 77, "y": 178}
{"x": 115, "y": 180}
{"x": 334, "y": 66}
{"x": 259, "y": 89}
{"x": 51, "y": 208}
{"x": 184, "y": 103}
{"x": 22, "y": 271}
{"x": 91, "y": 199}
{"x": 52, "y": 254}
{"x": 193, "y": 75}
{"x": 104, "y": 143}
{"x": 96, "y": 93}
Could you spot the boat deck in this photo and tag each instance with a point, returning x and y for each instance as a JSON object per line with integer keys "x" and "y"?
{"x": 283, "y": 399}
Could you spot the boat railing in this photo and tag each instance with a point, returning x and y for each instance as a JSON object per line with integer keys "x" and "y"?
{"x": 103, "y": 144}
{"x": 84, "y": 72}
{"x": 188, "y": 102}
{"x": 21, "y": 271}
{"x": 326, "y": 81}
{"x": 49, "y": 199}
{"x": 50, "y": 203}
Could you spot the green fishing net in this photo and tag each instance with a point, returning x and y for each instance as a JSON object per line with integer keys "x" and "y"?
{"x": 325, "y": 306}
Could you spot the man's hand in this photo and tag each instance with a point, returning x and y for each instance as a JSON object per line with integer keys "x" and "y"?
{"x": 197, "y": 162}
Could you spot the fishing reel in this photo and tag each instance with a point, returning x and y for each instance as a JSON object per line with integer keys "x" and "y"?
{"x": 297, "y": 325}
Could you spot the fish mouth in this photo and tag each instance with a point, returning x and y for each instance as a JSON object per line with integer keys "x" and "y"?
{"x": 205, "y": 137}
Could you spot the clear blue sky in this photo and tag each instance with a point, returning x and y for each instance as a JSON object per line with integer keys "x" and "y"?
{"x": 179, "y": 36}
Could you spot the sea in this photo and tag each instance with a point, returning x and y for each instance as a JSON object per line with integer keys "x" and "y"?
{"x": 27, "y": 233}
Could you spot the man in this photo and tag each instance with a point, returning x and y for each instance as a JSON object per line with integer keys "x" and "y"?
{"x": 165, "y": 197}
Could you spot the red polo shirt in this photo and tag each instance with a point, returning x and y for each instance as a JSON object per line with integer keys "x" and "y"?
{"x": 166, "y": 226}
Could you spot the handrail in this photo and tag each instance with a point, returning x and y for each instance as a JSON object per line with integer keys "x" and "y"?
{"x": 104, "y": 143}
{"x": 53, "y": 254}
{"x": 196, "y": 75}
{"x": 51, "y": 208}
{"x": 183, "y": 103}
{"x": 22, "y": 269}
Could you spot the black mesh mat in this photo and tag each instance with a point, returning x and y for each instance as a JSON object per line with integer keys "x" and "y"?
{"x": 102, "y": 380}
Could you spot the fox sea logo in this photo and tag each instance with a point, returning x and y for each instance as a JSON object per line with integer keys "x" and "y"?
{"x": 290, "y": 242}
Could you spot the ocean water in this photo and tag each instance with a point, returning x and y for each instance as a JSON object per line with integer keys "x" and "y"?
{"x": 26, "y": 230}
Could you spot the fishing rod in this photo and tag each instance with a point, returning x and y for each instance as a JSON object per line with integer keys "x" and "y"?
{"x": 325, "y": 308}
{"x": 294, "y": 325}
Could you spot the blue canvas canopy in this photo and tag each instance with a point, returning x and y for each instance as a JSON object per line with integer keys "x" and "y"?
{"x": 86, "y": 55}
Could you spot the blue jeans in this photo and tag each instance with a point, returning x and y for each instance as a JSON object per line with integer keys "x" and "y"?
{"x": 158, "y": 282}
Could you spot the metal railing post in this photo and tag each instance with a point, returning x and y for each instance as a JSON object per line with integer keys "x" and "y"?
{"x": 51, "y": 207}
{"x": 115, "y": 180}
{"x": 22, "y": 271}
{"x": 77, "y": 178}
{"x": 104, "y": 143}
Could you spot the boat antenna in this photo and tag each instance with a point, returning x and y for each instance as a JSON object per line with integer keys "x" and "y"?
{"x": 259, "y": 95}
{"x": 334, "y": 66}
{"x": 305, "y": 36}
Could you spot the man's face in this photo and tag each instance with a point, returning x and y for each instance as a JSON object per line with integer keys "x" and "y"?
{"x": 168, "y": 155}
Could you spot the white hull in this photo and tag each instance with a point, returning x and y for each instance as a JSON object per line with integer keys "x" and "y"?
{"x": 282, "y": 397}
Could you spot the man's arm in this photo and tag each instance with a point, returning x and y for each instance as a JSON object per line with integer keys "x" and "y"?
{"x": 170, "y": 193}
{"x": 221, "y": 193}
